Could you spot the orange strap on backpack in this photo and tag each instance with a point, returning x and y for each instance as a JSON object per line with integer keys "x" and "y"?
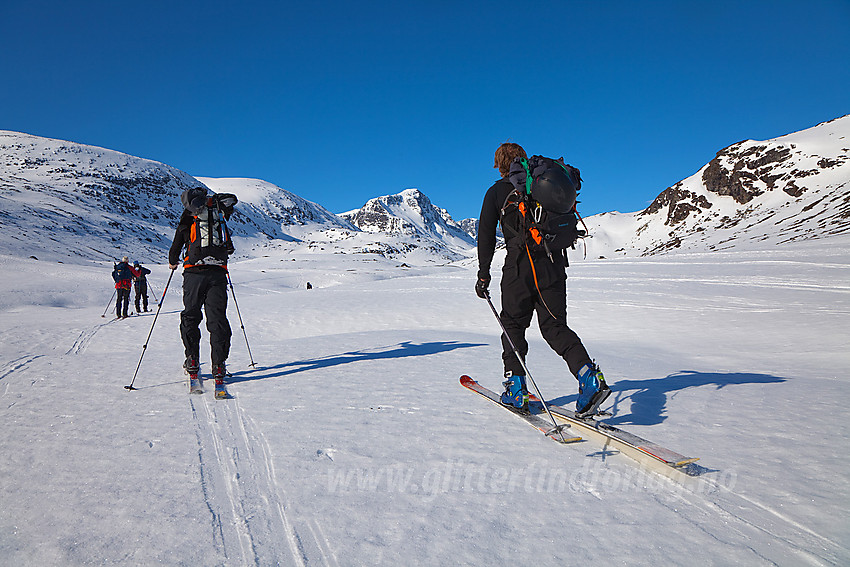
{"x": 535, "y": 234}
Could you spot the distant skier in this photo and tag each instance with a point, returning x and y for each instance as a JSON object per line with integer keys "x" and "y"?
{"x": 140, "y": 284}
{"x": 531, "y": 281}
{"x": 123, "y": 275}
{"x": 206, "y": 239}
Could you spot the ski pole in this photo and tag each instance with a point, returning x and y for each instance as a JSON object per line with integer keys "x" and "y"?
{"x": 150, "y": 287}
{"x": 145, "y": 346}
{"x": 229, "y": 281}
{"x": 110, "y": 302}
{"x": 557, "y": 428}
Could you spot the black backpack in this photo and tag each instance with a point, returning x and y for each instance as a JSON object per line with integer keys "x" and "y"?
{"x": 545, "y": 196}
{"x": 210, "y": 241}
{"x": 121, "y": 271}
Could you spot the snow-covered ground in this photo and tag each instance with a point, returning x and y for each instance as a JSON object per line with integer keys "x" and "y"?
{"x": 352, "y": 443}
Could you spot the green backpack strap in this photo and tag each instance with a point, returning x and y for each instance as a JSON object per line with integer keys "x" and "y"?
{"x": 528, "y": 178}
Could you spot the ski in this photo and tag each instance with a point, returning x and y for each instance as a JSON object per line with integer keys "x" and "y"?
{"x": 623, "y": 440}
{"x": 195, "y": 386}
{"x": 532, "y": 417}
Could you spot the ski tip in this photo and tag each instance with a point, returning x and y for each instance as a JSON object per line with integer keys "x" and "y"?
{"x": 684, "y": 462}
{"x": 466, "y": 380}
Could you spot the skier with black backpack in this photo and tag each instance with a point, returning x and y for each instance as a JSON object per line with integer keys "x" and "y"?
{"x": 123, "y": 276}
{"x": 202, "y": 231}
{"x": 535, "y": 203}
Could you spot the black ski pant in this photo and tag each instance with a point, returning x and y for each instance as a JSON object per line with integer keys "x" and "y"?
{"x": 141, "y": 294}
{"x": 123, "y": 302}
{"x": 205, "y": 288}
{"x": 521, "y": 299}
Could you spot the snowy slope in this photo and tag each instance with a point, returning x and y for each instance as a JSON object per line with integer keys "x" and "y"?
{"x": 289, "y": 215}
{"x": 351, "y": 442}
{"x": 78, "y": 203}
{"x": 791, "y": 188}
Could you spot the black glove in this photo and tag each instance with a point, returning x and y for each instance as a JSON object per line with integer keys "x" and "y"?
{"x": 481, "y": 287}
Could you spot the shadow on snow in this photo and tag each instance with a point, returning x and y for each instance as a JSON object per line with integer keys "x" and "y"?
{"x": 649, "y": 397}
{"x": 402, "y": 350}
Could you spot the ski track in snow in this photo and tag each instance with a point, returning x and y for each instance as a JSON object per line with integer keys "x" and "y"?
{"x": 17, "y": 364}
{"x": 12, "y": 367}
{"x": 741, "y": 512}
{"x": 252, "y": 522}
{"x": 86, "y": 335}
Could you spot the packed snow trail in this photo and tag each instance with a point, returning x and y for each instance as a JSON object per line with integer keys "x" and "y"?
{"x": 240, "y": 488}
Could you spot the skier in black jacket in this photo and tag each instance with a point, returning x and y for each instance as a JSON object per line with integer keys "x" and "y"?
{"x": 527, "y": 288}
{"x": 140, "y": 284}
{"x": 204, "y": 284}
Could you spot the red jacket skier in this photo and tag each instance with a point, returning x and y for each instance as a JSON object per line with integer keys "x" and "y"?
{"x": 123, "y": 275}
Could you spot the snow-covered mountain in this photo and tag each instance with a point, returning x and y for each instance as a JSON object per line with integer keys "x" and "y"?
{"x": 407, "y": 226}
{"x": 72, "y": 202}
{"x": 412, "y": 230}
{"x": 795, "y": 187}
{"x": 470, "y": 227}
{"x": 410, "y": 213}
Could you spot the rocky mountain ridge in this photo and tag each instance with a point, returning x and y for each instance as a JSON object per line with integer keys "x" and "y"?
{"x": 791, "y": 188}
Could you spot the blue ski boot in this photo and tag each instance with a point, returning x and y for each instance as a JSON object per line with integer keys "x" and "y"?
{"x": 516, "y": 394}
{"x": 219, "y": 374}
{"x": 592, "y": 390}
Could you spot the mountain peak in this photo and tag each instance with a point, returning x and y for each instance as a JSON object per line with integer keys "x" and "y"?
{"x": 409, "y": 213}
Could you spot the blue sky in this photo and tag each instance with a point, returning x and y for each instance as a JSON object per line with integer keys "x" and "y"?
{"x": 339, "y": 102}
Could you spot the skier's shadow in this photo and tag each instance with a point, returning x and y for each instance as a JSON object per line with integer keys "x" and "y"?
{"x": 401, "y": 350}
{"x": 649, "y": 397}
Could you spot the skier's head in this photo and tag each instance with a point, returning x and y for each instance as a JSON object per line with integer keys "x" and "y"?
{"x": 125, "y": 259}
{"x": 136, "y": 264}
{"x": 505, "y": 154}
